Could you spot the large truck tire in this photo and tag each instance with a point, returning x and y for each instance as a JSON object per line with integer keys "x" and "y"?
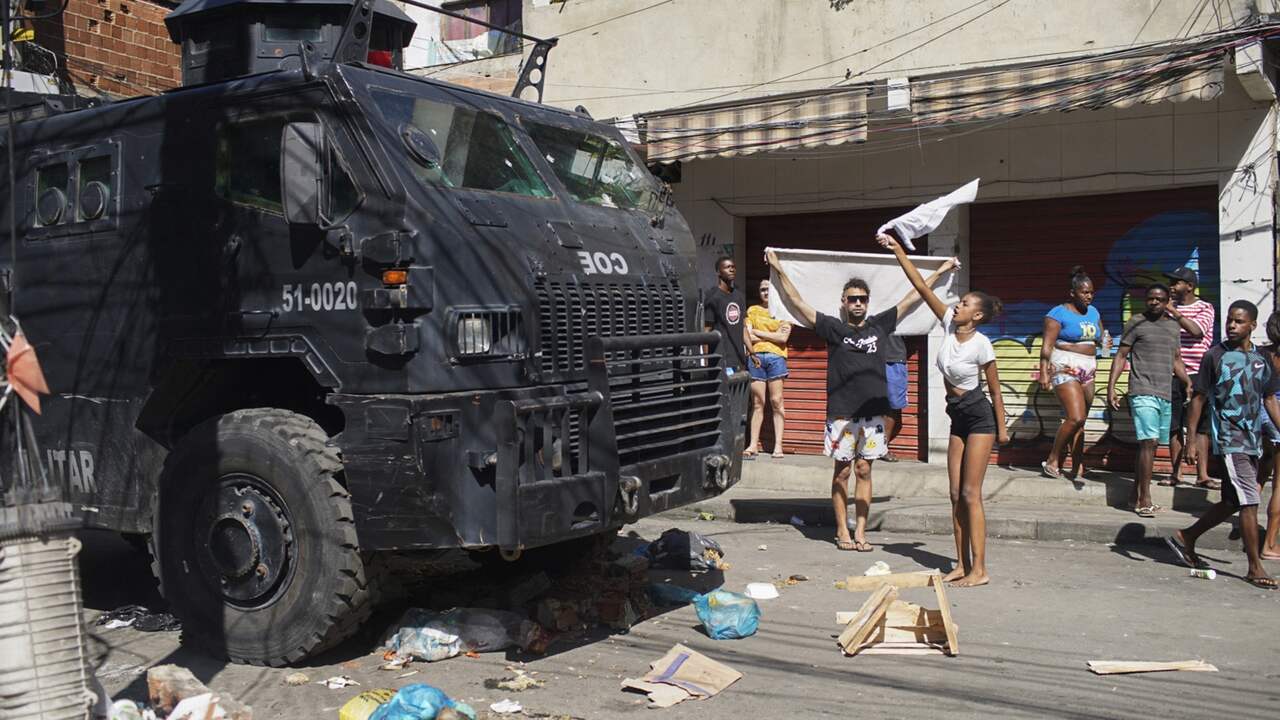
{"x": 255, "y": 543}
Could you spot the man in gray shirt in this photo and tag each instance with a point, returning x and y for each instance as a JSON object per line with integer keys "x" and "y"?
{"x": 1150, "y": 344}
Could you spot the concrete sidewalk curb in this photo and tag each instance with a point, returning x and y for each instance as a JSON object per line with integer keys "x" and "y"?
{"x": 929, "y": 516}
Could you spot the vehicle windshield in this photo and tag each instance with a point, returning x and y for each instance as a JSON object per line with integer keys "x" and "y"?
{"x": 596, "y": 169}
{"x": 458, "y": 146}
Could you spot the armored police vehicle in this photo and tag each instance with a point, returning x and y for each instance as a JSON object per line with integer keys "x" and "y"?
{"x": 308, "y": 308}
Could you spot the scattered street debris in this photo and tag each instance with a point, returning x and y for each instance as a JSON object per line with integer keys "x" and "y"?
{"x": 139, "y": 618}
{"x": 506, "y": 707}
{"x": 1117, "y": 667}
{"x": 363, "y": 705}
{"x": 886, "y": 625}
{"x": 682, "y": 674}
{"x": 519, "y": 683}
{"x": 727, "y": 615}
{"x": 679, "y": 549}
{"x": 704, "y": 515}
{"x": 880, "y": 567}
{"x": 129, "y": 710}
{"x": 797, "y": 521}
{"x": 761, "y": 591}
{"x": 431, "y": 636}
{"x": 1203, "y": 573}
{"x": 762, "y": 547}
{"x": 297, "y": 679}
{"x": 337, "y": 682}
{"x": 397, "y": 662}
{"x": 421, "y": 702}
{"x": 169, "y": 685}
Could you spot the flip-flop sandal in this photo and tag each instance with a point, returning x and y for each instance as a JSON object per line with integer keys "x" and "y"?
{"x": 1148, "y": 511}
{"x": 748, "y": 455}
{"x": 862, "y": 546}
{"x": 1211, "y": 485}
{"x": 1055, "y": 474}
{"x": 846, "y": 545}
{"x": 1262, "y": 583}
{"x": 777, "y": 455}
{"x": 1181, "y": 553}
{"x": 1169, "y": 483}
{"x": 889, "y": 459}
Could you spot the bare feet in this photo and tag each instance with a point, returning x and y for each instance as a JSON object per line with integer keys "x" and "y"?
{"x": 973, "y": 579}
{"x": 954, "y": 575}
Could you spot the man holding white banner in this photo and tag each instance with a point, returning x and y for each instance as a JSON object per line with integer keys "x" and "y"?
{"x": 857, "y": 391}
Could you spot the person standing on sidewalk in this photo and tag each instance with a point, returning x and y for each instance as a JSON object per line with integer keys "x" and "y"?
{"x": 1196, "y": 318}
{"x": 768, "y": 341}
{"x": 1150, "y": 344}
{"x": 857, "y": 394}
{"x": 725, "y": 312}
{"x": 1235, "y": 386}
{"x": 895, "y": 373}
{"x": 1068, "y": 364}
{"x": 1270, "y": 466}
{"x": 965, "y": 358}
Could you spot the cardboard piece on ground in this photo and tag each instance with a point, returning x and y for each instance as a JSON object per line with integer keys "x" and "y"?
{"x": 1114, "y": 667}
{"x": 868, "y": 618}
{"x": 863, "y": 583}
{"x": 682, "y": 674}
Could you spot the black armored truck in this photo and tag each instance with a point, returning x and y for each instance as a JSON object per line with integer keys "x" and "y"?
{"x": 308, "y": 308}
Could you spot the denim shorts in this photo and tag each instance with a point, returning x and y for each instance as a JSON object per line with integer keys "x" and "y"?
{"x": 772, "y": 367}
{"x": 1151, "y": 417}
{"x": 1269, "y": 431}
{"x": 895, "y": 375}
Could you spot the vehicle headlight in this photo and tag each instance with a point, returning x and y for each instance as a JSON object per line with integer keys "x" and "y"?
{"x": 475, "y": 335}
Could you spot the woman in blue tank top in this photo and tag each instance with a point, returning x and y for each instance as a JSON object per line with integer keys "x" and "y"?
{"x": 1068, "y": 362}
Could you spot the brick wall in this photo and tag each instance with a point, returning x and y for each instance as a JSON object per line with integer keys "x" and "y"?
{"x": 119, "y": 47}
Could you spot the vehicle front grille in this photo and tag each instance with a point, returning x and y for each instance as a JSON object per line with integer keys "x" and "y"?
{"x": 570, "y": 312}
{"x": 664, "y": 403}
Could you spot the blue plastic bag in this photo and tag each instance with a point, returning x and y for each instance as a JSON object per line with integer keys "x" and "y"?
{"x": 419, "y": 702}
{"x": 727, "y": 615}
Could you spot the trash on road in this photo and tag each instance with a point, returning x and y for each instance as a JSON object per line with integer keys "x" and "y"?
{"x": 420, "y": 702}
{"x": 1203, "y": 573}
{"x": 431, "y": 636}
{"x": 169, "y": 685}
{"x": 139, "y": 618}
{"x": 201, "y": 707}
{"x": 337, "y": 682}
{"x": 127, "y": 710}
{"x": 667, "y": 594}
{"x": 506, "y": 707}
{"x": 727, "y": 615}
{"x": 682, "y": 674}
{"x": 362, "y": 706}
{"x": 797, "y": 521}
{"x": 397, "y": 662}
{"x": 880, "y": 567}
{"x": 761, "y": 591}
{"x": 704, "y": 515}
{"x": 762, "y": 547}
{"x": 1117, "y": 667}
{"x": 296, "y": 679}
{"x": 519, "y": 683}
{"x": 679, "y": 549}
{"x": 886, "y": 625}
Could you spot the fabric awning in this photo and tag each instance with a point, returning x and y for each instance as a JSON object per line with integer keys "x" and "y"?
{"x": 1088, "y": 84}
{"x": 803, "y": 120}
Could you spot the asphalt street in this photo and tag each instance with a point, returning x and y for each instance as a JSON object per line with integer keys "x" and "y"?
{"x": 1024, "y": 640}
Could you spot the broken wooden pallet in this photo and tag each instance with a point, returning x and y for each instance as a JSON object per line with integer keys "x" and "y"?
{"x": 887, "y": 625}
{"x": 1115, "y": 667}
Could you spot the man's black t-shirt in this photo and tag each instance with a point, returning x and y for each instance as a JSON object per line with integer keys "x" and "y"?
{"x": 855, "y": 364}
{"x": 725, "y": 312}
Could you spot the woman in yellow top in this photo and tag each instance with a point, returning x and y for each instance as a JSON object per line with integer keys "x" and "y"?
{"x": 768, "y": 366}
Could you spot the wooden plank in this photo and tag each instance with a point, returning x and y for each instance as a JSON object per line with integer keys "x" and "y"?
{"x": 944, "y": 607}
{"x": 901, "y": 614}
{"x": 913, "y": 650}
{"x": 869, "y": 616}
{"x": 1113, "y": 667}
{"x": 863, "y": 583}
{"x": 935, "y": 636}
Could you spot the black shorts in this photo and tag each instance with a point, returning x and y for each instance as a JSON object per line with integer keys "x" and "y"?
{"x": 1178, "y": 419}
{"x": 971, "y": 414}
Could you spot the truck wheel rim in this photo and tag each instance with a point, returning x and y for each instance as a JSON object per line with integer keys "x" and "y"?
{"x": 244, "y": 543}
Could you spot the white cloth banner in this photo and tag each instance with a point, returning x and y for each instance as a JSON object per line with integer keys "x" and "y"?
{"x": 820, "y": 276}
{"x": 927, "y": 217}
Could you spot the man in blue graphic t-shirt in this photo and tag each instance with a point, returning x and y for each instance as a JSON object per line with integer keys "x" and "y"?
{"x": 1235, "y": 385}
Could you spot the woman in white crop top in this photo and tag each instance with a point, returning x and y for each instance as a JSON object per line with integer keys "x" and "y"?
{"x": 965, "y": 359}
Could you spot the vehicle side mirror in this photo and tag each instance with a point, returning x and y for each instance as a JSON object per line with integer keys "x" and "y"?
{"x": 302, "y": 172}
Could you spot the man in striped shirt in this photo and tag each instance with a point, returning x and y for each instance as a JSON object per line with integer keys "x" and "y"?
{"x": 1196, "y": 318}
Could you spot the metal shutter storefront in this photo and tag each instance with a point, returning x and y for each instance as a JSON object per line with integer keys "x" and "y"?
{"x": 1023, "y": 252}
{"x": 805, "y": 391}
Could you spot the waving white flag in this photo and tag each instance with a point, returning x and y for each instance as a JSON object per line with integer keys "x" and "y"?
{"x": 927, "y": 217}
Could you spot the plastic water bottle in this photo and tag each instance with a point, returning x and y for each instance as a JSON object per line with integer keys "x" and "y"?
{"x": 1106, "y": 342}
{"x": 1203, "y": 573}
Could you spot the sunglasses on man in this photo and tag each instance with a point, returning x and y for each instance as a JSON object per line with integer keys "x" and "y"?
{"x": 857, "y": 299}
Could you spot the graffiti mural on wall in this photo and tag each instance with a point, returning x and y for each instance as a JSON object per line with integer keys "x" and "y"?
{"x": 1121, "y": 273}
